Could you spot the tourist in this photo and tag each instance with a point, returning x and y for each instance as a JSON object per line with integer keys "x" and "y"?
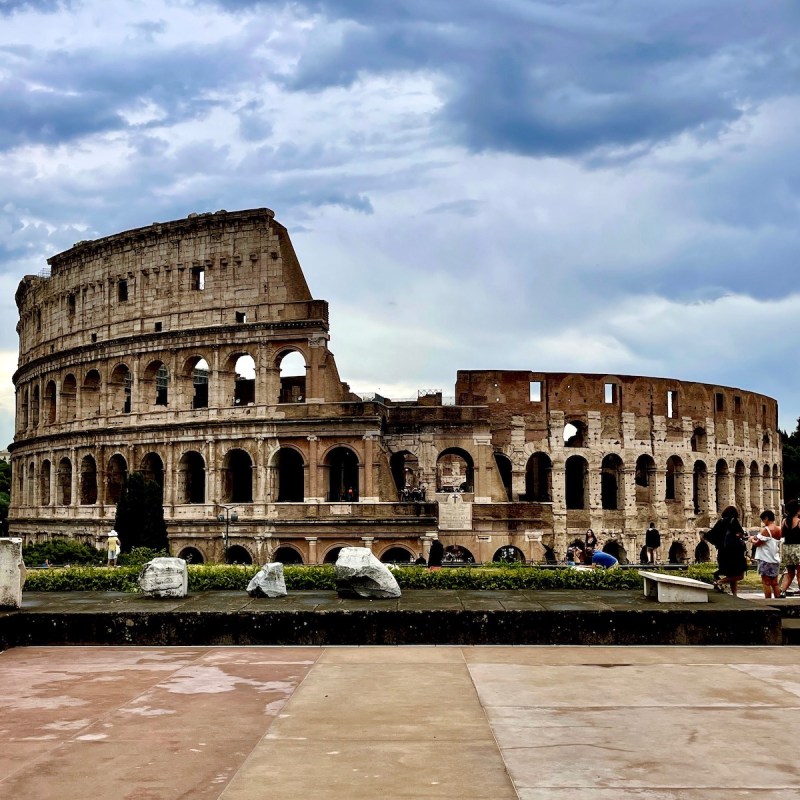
{"x": 589, "y": 543}
{"x": 790, "y": 533}
{"x": 652, "y": 541}
{"x": 421, "y": 560}
{"x": 112, "y": 544}
{"x": 435, "y": 555}
{"x": 767, "y": 555}
{"x": 729, "y": 539}
{"x": 603, "y": 560}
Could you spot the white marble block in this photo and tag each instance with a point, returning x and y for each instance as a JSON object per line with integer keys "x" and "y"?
{"x": 359, "y": 572}
{"x": 164, "y": 577}
{"x": 12, "y": 573}
{"x": 268, "y": 581}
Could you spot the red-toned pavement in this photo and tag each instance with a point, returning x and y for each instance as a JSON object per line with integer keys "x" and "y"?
{"x": 377, "y": 723}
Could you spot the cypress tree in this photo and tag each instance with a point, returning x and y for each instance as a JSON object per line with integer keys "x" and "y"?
{"x": 139, "y": 520}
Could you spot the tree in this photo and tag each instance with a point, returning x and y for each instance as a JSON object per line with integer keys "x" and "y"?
{"x": 140, "y": 515}
{"x": 791, "y": 463}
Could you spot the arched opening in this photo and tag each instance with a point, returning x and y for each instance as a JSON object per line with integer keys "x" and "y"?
{"x": 152, "y": 467}
{"x": 192, "y": 478}
{"x": 23, "y": 410}
{"x": 238, "y": 555}
{"x": 722, "y": 485}
{"x": 237, "y": 477}
{"x": 454, "y": 471}
{"x": 576, "y": 470}
{"x": 35, "y": 406}
{"x": 574, "y": 433}
{"x": 700, "y": 487}
{"x": 674, "y": 480}
{"x": 88, "y": 489}
{"x": 539, "y": 479}
{"x": 50, "y": 402}
{"x": 397, "y": 555}
{"x": 342, "y": 464}
{"x": 698, "y": 440}
{"x": 677, "y": 553}
{"x": 287, "y": 555}
{"x": 289, "y": 464}
{"x": 244, "y": 381}
{"x": 457, "y": 554}
{"x": 120, "y": 387}
{"x": 191, "y": 555}
{"x": 702, "y": 553}
{"x": 64, "y": 476}
{"x": 611, "y": 485}
{"x": 44, "y": 483}
{"x": 615, "y": 548}
{"x": 645, "y": 480}
{"x": 156, "y": 383}
{"x": 509, "y": 554}
{"x": 116, "y": 475}
{"x": 332, "y": 555}
{"x": 90, "y": 394}
{"x": 405, "y": 471}
{"x": 69, "y": 395}
{"x": 199, "y": 373}
{"x": 504, "y": 468}
{"x": 292, "y": 368}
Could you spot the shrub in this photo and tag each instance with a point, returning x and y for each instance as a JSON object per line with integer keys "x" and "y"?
{"x": 82, "y": 579}
{"x": 62, "y": 551}
{"x": 139, "y": 556}
{"x": 234, "y": 577}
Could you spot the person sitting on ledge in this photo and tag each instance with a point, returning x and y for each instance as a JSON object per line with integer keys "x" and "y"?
{"x": 604, "y": 560}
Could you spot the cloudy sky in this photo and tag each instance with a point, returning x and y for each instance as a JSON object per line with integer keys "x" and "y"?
{"x": 594, "y": 185}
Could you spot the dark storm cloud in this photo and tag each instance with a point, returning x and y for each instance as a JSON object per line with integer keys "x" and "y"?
{"x": 60, "y": 96}
{"x": 554, "y": 78}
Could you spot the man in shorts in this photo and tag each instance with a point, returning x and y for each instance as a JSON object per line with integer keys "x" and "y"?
{"x": 112, "y": 544}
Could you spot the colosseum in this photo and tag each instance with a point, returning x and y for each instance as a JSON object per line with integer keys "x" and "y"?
{"x": 193, "y": 351}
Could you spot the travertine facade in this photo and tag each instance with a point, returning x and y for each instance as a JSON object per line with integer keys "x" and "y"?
{"x": 163, "y": 349}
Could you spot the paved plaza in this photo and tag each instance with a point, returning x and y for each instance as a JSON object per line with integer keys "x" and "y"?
{"x": 533, "y": 723}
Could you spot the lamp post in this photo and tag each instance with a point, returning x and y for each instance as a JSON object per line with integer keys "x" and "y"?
{"x": 227, "y": 517}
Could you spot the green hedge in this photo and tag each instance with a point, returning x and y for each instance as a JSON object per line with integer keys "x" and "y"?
{"x": 209, "y": 577}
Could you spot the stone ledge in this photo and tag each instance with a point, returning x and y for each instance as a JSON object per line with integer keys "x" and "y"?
{"x": 418, "y": 617}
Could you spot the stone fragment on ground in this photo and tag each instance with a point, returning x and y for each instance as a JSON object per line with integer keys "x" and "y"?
{"x": 268, "y": 581}
{"x": 164, "y": 577}
{"x": 359, "y": 573}
{"x": 12, "y": 573}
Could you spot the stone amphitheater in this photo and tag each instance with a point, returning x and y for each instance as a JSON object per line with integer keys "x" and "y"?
{"x": 194, "y": 352}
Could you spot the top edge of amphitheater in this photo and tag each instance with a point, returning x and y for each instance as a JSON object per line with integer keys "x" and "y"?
{"x": 193, "y": 220}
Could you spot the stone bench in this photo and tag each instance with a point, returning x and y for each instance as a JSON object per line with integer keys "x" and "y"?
{"x": 674, "y": 588}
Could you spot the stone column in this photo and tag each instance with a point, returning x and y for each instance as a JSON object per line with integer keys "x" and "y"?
{"x": 76, "y": 468}
{"x": 482, "y": 489}
{"x": 369, "y": 495}
{"x": 367, "y": 542}
{"x": 311, "y": 490}
{"x": 313, "y": 558}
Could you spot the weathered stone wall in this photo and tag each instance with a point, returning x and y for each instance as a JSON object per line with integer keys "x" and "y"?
{"x": 128, "y": 361}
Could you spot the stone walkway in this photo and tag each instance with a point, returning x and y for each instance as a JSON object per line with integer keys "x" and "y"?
{"x": 531, "y": 723}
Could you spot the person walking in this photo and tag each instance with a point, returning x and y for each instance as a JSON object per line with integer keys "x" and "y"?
{"x": 767, "y": 555}
{"x": 652, "y": 541}
{"x": 729, "y": 539}
{"x": 112, "y": 546}
{"x": 435, "y": 555}
{"x": 790, "y": 556}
